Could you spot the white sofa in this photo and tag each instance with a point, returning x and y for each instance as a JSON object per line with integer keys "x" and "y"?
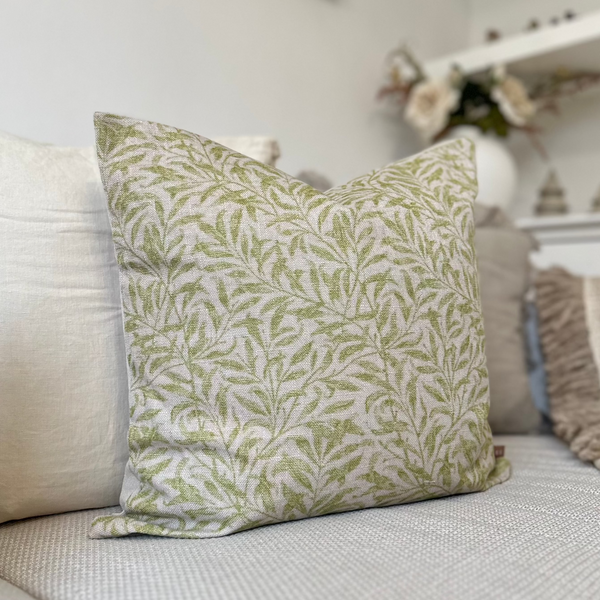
{"x": 535, "y": 536}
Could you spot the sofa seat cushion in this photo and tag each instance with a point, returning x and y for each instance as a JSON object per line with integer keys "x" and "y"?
{"x": 537, "y": 536}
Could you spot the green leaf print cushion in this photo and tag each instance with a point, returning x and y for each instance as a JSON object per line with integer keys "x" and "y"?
{"x": 292, "y": 353}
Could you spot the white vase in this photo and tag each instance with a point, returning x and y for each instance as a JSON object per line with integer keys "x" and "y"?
{"x": 496, "y": 167}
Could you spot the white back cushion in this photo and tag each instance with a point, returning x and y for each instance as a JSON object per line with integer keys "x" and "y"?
{"x": 63, "y": 379}
{"x": 263, "y": 149}
{"x": 63, "y": 373}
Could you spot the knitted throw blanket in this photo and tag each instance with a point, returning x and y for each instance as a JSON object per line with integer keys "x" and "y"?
{"x": 569, "y": 314}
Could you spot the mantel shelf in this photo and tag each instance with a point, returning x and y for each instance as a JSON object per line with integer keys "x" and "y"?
{"x": 560, "y": 229}
{"x": 571, "y": 241}
{"x": 574, "y": 45}
{"x": 566, "y": 221}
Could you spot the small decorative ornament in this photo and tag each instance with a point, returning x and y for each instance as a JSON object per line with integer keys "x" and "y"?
{"x": 492, "y": 35}
{"x": 596, "y": 202}
{"x": 552, "y": 197}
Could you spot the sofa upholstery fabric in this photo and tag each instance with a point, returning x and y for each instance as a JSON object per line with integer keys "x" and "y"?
{"x": 537, "y": 536}
{"x": 11, "y": 592}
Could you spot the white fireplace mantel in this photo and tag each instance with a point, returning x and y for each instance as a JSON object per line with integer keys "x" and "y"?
{"x": 570, "y": 241}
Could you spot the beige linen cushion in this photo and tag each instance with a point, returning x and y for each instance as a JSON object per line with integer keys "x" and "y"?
{"x": 504, "y": 273}
{"x": 63, "y": 379}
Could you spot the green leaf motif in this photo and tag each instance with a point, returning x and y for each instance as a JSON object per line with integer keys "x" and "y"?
{"x": 292, "y": 353}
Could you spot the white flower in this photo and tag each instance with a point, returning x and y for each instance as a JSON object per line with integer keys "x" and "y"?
{"x": 512, "y": 98}
{"x": 429, "y": 107}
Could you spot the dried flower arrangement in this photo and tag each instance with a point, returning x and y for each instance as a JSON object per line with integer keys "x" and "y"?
{"x": 492, "y": 101}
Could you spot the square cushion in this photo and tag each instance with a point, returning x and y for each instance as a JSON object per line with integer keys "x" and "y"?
{"x": 504, "y": 272}
{"x": 292, "y": 353}
{"x": 63, "y": 372}
{"x": 63, "y": 375}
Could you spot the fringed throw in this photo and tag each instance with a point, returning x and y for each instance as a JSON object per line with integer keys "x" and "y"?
{"x": 568, "y": 309}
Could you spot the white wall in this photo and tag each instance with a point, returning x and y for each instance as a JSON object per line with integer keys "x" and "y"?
{"x": 571, "y": 139}
{"x": 303, "y": 71}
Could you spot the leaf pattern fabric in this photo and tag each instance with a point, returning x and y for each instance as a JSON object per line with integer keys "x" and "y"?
{"x": 292, "y": 353}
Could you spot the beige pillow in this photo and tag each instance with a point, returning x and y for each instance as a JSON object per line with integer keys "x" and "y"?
{"x": 63, "y": 376}
{"x": 63, "y": 379}
{"x": 504, "y": 273}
